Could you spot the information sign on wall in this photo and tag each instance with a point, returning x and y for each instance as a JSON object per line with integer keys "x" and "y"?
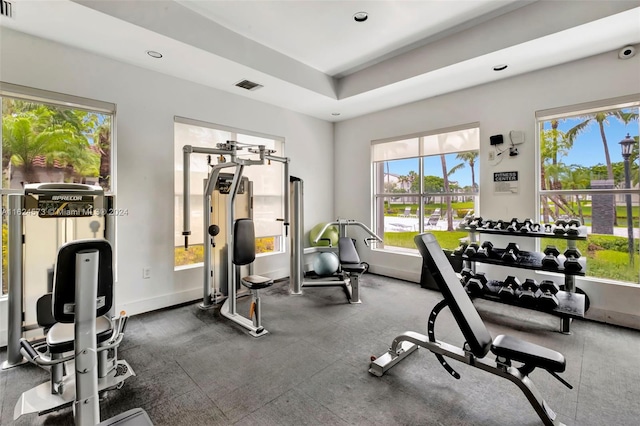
{"x": 505, "y": 182}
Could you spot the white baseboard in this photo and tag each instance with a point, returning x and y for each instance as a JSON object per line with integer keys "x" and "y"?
{"x": 159, "y": 302}
{"x": 400, "y": 274}
{"x": 277, "y": 274}
{"x": 3, "y": 337}
{"x": 615, "y": 318}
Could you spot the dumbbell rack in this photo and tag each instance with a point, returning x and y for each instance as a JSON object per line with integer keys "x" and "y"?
{"x": 572, "y": 304}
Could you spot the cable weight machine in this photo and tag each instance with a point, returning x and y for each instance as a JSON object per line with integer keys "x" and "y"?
{"x": 227, "y": 155}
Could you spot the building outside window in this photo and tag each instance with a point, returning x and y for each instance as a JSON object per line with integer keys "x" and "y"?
{"x": 583, "y": 176}
{"x": 52, "y": 137}
{"x": 266, "y": 182}
{"x": 425, "y": 182}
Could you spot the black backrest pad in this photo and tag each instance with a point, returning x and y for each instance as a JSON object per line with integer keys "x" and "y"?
{"x": 463, "y": 311}
{"x": 347, "y": 251}
{"x": 244, "y": 242}
{"x": 64, "y": 283}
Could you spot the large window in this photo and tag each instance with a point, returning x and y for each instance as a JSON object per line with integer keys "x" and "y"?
{"x": 46, "y": 140}
{"x": 266, "y": 182}
{"x": 425, "y": 182}
{"x": 588, "y": 168}
{"x": 52, "y": 137}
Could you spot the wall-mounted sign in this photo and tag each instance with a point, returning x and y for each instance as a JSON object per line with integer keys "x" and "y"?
{"x": 505, "y": 182}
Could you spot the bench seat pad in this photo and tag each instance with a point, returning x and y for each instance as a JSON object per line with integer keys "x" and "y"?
{"x": 256, "y": 282}
{"x": 60, "y": 336}
{"x": 354, "y": 267}
{"x": 528, "y": 353}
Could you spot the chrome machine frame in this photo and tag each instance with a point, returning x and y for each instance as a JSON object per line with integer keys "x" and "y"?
{"x": 229, "y": 149}
{"x": 17, "y": 208}
{"x": 348, "y": 282}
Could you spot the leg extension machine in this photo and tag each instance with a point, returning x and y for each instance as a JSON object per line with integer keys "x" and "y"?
{"x": 83, "y": 293}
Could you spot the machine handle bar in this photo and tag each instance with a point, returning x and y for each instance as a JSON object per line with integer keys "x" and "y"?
{"x": 348, "y": 222}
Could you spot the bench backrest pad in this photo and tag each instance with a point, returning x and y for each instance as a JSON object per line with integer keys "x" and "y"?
{"x": 473, "y": 329}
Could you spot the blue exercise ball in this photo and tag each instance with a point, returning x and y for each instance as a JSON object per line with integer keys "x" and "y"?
{"x": 326, "y": 263}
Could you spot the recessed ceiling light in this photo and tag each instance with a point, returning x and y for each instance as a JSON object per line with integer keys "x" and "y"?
{"x": 627, "y": 52}
{"x": 361, "y": 16}
{"x": 501, "y": 67}
{"x": 154, "y": 54}
{"x": 335, "y": 114}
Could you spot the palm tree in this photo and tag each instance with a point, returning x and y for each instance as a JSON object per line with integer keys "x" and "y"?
{"x": 553, "y": 145}
{"x": 102, "y": 140}
{"x": 413, "y": 179}
{"x": 446, "y": 174}
{"x": 470, "y": 158}
{"x": 403, "y": 180}
{"x": 633, "y": 162}
{"x": 22, "y": 142}
{"x": 602, "y": 118}
{"x": 55, "y": 133}
{"x": 576, "y": 179}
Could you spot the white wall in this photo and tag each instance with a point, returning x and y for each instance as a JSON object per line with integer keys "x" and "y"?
{"x": 146, "y": 105}
{"x": 499, "y": 107}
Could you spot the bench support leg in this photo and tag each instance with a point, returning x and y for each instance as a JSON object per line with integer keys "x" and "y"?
{"x": 257, "y": 308}
{"x": 406, "y": 343}
{"x": 354, "y": 280}
{"x": 254, "y": 331}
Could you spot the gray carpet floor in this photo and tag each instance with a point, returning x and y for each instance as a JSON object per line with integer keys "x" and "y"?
{"x": 195, "y": 368}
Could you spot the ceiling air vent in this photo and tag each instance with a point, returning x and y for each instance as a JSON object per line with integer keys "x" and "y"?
{"x": 249, "y": 85}
{"x": 6, "y": 9}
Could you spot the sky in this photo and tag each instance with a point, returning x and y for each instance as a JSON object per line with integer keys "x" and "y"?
{"x": 587, "y": 151}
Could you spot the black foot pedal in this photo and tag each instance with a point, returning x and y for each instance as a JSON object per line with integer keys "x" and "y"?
{"x": 121, "y": 370}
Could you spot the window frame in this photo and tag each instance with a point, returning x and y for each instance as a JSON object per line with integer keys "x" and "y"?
{"x": 279, "y": 240}
{"x": 576, "y": 110}
{"x": 56, "y": 99}
{"x": 422, "y": 196}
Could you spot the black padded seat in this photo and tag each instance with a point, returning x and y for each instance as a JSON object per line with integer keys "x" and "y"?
{"x": 528, "y": 353}
{"x": 60, "y": 336}
{"x": 353, "y": 267}
{"x": 256, "y": 282}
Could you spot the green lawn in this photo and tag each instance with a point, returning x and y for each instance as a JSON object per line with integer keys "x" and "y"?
{"x": 446, "y": 239}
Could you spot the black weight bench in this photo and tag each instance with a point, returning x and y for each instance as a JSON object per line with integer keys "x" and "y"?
{"x": 478, "y": 340}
